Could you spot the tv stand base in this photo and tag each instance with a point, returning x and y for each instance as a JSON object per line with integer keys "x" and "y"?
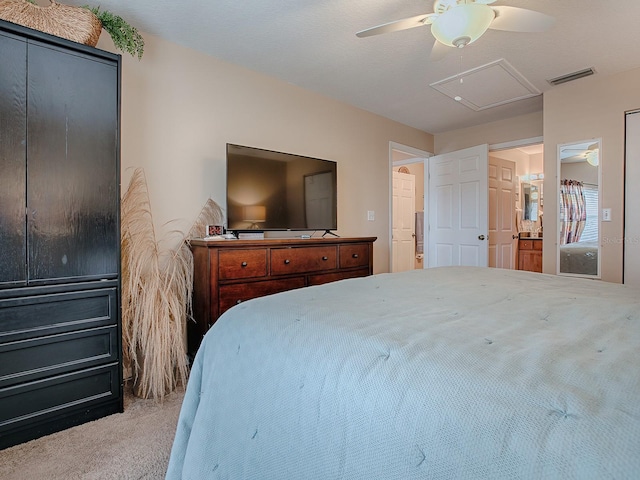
{"x": 329, "y": 232}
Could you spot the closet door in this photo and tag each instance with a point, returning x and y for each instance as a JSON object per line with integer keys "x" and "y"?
{"x": 13, "y": 128}
{"x": 632, "y": 200}
{"x": 72, "y": 193}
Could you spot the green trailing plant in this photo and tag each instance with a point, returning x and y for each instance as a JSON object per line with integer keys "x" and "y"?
{"x": 125, "y": 37}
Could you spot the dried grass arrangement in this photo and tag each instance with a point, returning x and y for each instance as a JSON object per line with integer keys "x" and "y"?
{"x": 156, "y": 298}
{"x": 156, "y": 293}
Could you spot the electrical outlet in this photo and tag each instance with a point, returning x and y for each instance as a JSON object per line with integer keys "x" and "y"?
{"x": 606, "y": 214}
{"x": 371, "y": 215}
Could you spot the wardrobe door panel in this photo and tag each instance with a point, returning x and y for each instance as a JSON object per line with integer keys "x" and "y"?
{"x": 13, "y": 129}
{"x": 72, "y": 183}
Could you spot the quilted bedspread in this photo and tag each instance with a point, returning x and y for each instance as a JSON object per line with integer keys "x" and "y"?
{"x": 446, "y": 373}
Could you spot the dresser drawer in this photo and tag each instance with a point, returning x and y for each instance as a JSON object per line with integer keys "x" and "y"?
{"x": 354, "y": 255}
{"x": 321, "y": 278}
{"x": 249, "y": 263}
{"x": 231, "y": 295}
{"x": 303, "y": 259}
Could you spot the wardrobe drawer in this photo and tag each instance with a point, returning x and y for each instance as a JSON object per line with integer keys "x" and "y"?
{"x": 40, "y": 315}
{"x": 32, "y": 359}
{"x": 303, "y": 259}
{"x": 231, "y": 295}
{"x": 41, "y": 399}
{"x": 249, "y": 263}
{"x": 354, "y": 255}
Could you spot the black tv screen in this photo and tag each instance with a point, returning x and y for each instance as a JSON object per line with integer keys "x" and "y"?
{"x": 269, "y": 190}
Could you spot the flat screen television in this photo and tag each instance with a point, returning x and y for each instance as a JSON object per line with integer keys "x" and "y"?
{"x": 269, "y": 190}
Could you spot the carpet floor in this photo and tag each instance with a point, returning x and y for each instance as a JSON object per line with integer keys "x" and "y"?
{"x": 132, "y": 445}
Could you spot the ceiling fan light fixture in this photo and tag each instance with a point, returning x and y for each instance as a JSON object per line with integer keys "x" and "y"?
{"x": 462, "y": 24}
{"x": 593, "y": 157}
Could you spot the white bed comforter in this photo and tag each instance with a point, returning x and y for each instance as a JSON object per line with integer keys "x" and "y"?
{"x": 448, "y": 373}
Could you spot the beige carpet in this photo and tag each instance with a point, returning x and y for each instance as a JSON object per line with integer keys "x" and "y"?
{"x": 132, "y": 445}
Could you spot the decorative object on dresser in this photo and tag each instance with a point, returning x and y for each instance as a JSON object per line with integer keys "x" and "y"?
{"x": 228, "y": 272}
{"x": 60, "y": 332}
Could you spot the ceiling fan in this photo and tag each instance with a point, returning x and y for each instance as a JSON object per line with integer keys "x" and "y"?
{"x": 581, "y": 152}
{"x": 457, "y": 23}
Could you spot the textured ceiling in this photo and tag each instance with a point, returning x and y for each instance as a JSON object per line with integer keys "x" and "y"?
{"x": 312, "y": 44}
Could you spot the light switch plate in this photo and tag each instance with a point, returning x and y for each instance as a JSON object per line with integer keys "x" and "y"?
{"x": 371, "y": 215}
{"x": 606, "y": 214}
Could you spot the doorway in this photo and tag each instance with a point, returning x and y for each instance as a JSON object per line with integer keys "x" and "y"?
{"x": 513, "y": 171}
{"x": 527, "y": 156}
{"x": 407, "y": 179}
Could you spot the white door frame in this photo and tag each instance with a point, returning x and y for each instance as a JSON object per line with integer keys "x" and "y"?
{"x": 423, "y": 156}
{"x": 418, "y": 156}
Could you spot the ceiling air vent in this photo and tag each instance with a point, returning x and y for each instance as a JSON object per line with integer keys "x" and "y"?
{"x": 572, "y": 76}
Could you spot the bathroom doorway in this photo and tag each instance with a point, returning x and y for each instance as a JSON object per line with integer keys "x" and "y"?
{"x": 407, "y": 207}
{"x": 511, "y": 169}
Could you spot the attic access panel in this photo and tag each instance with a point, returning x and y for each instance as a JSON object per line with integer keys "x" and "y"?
{"x": 487, "y": 86}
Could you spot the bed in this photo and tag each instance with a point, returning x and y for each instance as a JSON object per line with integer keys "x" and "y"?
{"x": 579, "y": 258}
{"x": 445, "y": 373}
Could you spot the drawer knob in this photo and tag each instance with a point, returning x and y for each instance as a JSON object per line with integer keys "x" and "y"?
{"x": 287, "y": 261}
{"x": 355, "y": 255}
{"x": 325, "y": 258}
{"x": 243, "y": 264}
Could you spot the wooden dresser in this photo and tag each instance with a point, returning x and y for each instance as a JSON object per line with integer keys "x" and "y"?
{"x": 227, "y": 272}
{"x": 530, "y": 254}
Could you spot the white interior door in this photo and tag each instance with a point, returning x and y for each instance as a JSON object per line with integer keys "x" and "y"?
{"x": 458, "y": 193}
{"x": 403, "y": 222}
{"x": 502, "y": 222}
{"x": 631, "y": 201}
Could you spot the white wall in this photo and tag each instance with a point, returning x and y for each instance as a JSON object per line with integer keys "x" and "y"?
{"x": 590, "y": 108}
{"x": 181, "y": 107}
{"x": 516, "y": 128}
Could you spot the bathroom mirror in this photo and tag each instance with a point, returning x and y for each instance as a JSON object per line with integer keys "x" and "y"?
{"x": 530, "y": 201}
{"x": 579, "y": 207}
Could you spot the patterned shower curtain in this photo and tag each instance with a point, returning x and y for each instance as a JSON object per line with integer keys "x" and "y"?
{"x": 573, "y": 211}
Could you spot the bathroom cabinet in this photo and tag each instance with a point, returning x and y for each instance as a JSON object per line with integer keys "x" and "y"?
{"x": 530, "y": 254}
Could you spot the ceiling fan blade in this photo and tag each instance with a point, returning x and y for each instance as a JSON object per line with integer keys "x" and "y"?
{"x": 417, "y": 21}
{"x": 439, "y": 51}
{"x": 514, "y": 19}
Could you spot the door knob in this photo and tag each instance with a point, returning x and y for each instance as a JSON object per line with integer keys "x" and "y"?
{"x": 514, "y": 236}
{"x": 480, "y": 237}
